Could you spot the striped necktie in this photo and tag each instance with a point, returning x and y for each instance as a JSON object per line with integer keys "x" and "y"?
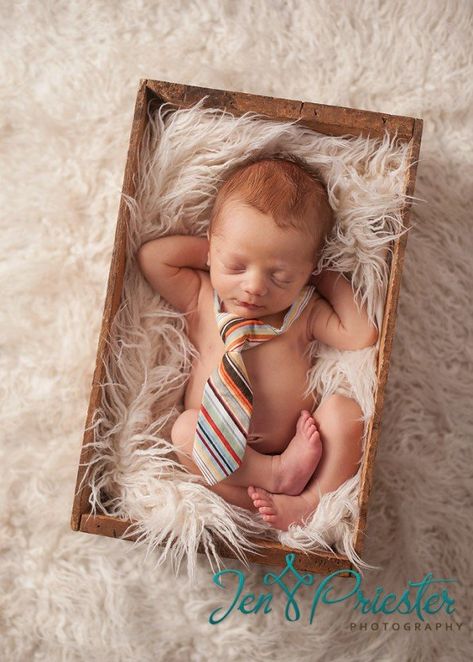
{"x": 227, "y": 403}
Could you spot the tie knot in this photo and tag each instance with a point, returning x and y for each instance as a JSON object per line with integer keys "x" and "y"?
{"x": 239, "y": 334}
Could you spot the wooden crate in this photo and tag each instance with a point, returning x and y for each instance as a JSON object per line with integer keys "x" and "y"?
{"x": 329, "y": 120}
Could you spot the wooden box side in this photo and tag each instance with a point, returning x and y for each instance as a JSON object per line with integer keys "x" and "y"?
{"x": 272, "y": 553}
{"x": 329, "y": 120}
{"x": 386, "y": 340}
{"x": 112, "y": 301}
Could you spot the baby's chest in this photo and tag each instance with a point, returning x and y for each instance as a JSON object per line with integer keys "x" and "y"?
{"x": 277, "y": 366}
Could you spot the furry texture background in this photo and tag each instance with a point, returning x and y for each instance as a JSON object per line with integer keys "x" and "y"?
{"x": 131, "y": 471}
{"x": 69, "y": 78}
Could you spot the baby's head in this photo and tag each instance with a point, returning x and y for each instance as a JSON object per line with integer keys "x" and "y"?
{"x": 267, "y": 228}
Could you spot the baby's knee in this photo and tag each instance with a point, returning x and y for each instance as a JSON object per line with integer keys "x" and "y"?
{"x": 343, "y": 413}
{"x": 184, "y": 427}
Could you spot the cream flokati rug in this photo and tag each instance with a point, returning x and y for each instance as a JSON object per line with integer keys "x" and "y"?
{"x": 184, "y": 155}
{"x": 70, "y": 72}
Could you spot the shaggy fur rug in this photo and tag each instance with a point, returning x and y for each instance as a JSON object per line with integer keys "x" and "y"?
{"x": 70, "y": 71}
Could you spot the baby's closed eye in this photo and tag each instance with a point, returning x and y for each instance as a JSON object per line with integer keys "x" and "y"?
{"x": 278, "y": 278}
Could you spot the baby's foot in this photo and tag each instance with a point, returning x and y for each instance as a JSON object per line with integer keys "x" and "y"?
{"x": 293, "y": 468}
{"x": 281, "y": 510}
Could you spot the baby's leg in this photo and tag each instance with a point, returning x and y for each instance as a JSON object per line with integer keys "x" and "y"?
{"x": 341, "y": 434}
{"x": 182, "y": 435}
{"x": 287, "y": 473}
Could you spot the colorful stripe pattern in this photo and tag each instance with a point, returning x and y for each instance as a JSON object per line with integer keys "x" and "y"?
{"x": 227, "y": 402}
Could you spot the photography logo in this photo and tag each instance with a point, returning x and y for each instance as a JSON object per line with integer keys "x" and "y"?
{"x": 427, "y": 597}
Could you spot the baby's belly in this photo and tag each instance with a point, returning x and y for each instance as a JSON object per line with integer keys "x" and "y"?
{"x": 277, "y": 402}
{"x": 276, "y": 410}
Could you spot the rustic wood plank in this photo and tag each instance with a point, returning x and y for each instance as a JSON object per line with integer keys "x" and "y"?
{"x": 112, "y": 300}
{"x": 330, "y": 120}
{"x": 387, "y": 336}
{"x": 337, "y": 121}
{"x": 273, "y": 553}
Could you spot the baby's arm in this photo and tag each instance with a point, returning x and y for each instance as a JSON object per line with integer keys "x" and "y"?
{"x": 335, "y": 319}
{"x": 173, "y": 267}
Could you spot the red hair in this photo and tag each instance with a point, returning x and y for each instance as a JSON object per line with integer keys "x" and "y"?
{"x": 287, "y": 188}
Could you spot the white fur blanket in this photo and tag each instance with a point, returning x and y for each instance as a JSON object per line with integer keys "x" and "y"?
{"x": 70, "y": 71}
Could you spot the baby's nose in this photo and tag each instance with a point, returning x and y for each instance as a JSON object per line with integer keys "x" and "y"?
{"x": 256, "y": 285}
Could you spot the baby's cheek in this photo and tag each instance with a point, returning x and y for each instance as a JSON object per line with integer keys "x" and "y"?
{"x": 221, "y": 282}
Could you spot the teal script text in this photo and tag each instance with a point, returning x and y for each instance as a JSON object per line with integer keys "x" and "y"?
{"x": 416, "y": 599}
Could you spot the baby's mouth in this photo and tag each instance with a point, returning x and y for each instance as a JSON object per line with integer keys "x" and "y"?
{"x": 250, "y": 306}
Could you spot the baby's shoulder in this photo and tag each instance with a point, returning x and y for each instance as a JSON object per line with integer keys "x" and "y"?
{"x": 204, "y": 306}
{"x": 206, "y": 289}
{"x": 309, "y": 312}
{"x": 199, "y": 319}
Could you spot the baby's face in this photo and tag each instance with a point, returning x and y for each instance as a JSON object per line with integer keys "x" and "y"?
{"x": 253, "y": 261}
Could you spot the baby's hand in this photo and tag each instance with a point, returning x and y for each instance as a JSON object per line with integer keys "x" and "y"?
{"x": 171, "y": 266}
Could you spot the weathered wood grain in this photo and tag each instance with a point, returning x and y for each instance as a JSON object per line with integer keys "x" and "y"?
{"x": 112, "y": 300}
{"x": 272, "y": 553}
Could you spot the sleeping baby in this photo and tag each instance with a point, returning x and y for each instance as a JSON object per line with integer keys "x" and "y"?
{"x": 253, "y": 307}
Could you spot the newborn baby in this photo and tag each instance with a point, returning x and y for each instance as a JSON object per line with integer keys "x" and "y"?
{"x": 267, "y": 228}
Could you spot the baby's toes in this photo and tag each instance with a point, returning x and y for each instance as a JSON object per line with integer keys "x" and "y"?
{"x": 260, "y": 503}
{"x": 260, "y": 497}
{"x": 261, "y": 493}
{"x": 301, "y": 423}
{"x": 269, "y": 518}
{"x": 254, "y": 493}
{"x": 267, "y": 510}
{"x": 309, "y": 425}
{"x": 313, "y": 433}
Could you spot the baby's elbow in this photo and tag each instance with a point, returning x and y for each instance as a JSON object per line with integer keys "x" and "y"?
{"x": 362, "y": 340}
{"x": 372, "y": 337}
{"x": 148, "y": 258}
{"x": 142, "y": 255}
{"x": 148, "y": 263}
